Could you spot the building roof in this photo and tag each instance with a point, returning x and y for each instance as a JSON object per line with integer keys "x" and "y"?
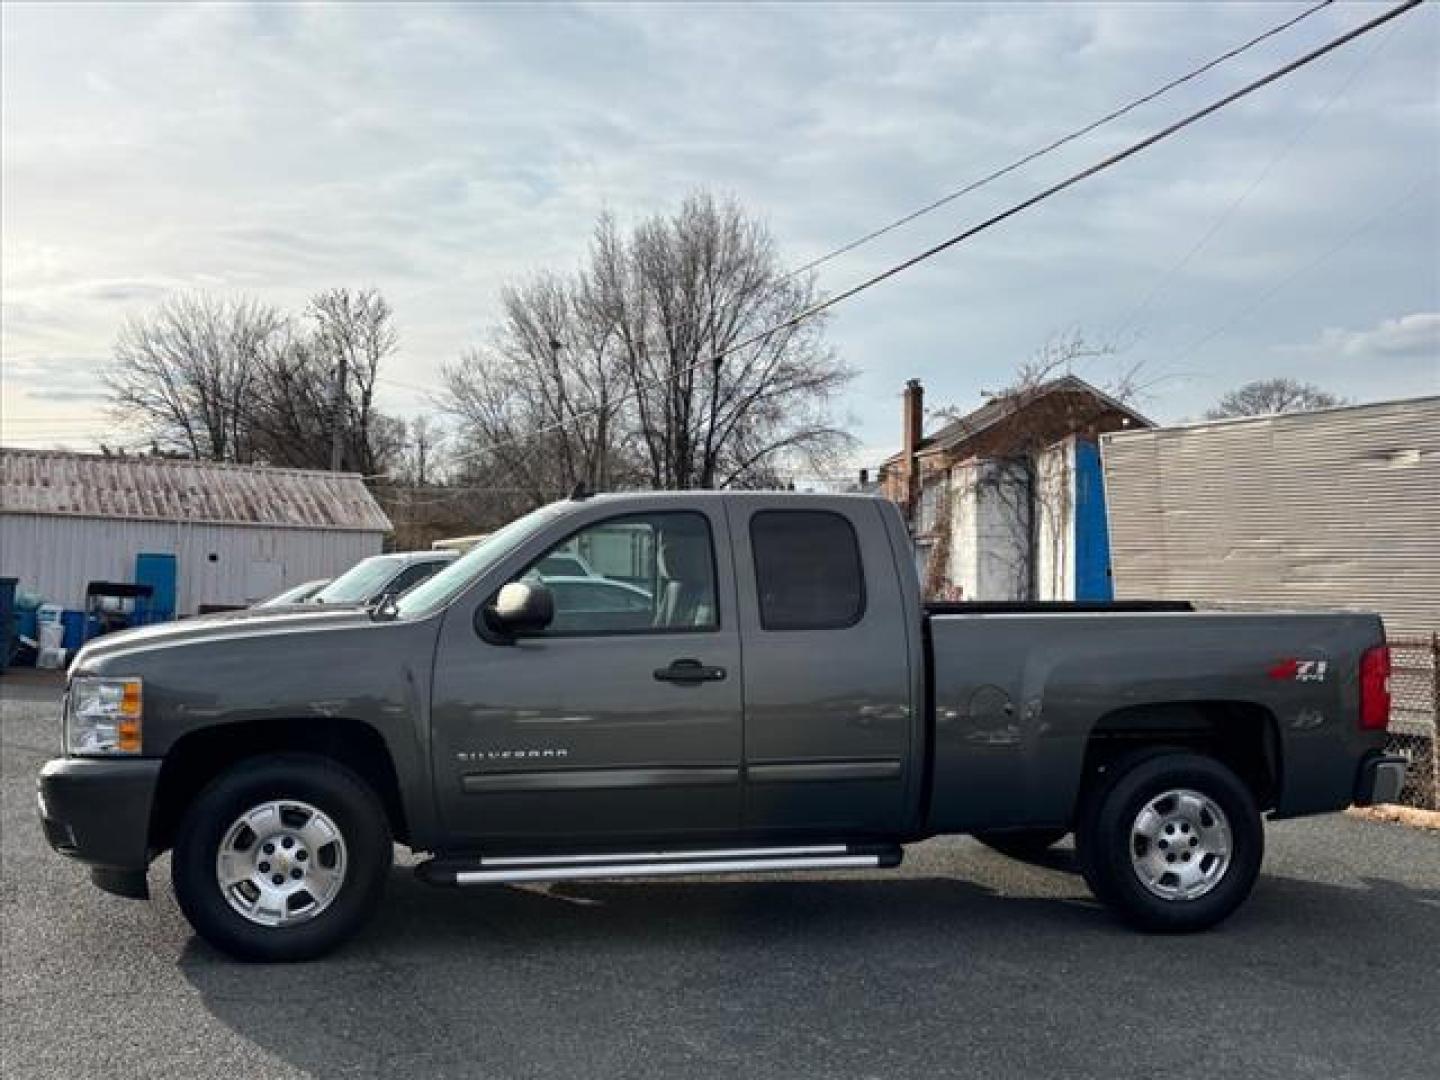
{"x": 975, "y": 423}
{"x": 1303, "y": 417}
{"x": 167, "y": 489}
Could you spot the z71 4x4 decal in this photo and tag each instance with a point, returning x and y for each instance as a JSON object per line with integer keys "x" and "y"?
{"x": 1300, "y": 670}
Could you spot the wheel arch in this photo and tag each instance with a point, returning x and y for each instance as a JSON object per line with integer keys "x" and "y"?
{"x": 1242, "y": 735}
{"x": 200, "y": 756}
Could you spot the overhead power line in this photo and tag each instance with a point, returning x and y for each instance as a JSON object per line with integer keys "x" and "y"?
{"x": 50, "y": 421}
{"x": 30, "y": 442}
{"x": 1134, "y": 319}
{"x": 988, "y": 223}
{"x": 1244, "y": 312}
{"x": 1084, "y": 174}
{"x": 1050, "y": 147}
{"x": 403, "y": 385}
{"x": 997, "y": 174}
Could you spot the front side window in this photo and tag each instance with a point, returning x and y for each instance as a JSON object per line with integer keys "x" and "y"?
{"x": 807, "y": 570}
{"x": 641, "y": 573}
{"x": 439, "y": 589}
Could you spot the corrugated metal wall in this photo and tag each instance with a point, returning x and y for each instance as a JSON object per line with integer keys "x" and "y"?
{"x": 1333, "y": 509}
{"x": 57, "y": 556}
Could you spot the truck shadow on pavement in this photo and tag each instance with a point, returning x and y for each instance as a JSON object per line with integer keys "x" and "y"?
{"x": 828, "y": 977}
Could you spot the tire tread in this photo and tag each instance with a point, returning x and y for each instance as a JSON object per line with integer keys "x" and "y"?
{"x": 1102, "y": 839}
{"x": 367, "y": 837}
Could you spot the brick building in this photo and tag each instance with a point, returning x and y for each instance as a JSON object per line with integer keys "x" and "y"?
{"x": 1007, "y": 502}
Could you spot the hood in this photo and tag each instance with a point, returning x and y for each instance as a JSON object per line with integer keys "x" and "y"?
{"x": 247, "y": 623}
{"x": 304, "y": 607}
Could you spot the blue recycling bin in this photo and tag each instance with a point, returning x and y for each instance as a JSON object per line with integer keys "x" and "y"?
{"x": 7, "y": 619}
{"x": 74, "y": 624}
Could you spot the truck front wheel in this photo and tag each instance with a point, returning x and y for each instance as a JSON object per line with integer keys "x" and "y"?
{"x": 282, "y": 857}
{"x": 1170, "y": 841}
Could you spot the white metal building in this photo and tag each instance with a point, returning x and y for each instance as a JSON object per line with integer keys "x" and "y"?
{"x": 1007, "y": 501}
{"x": 238, "y": 532}
{"x": 1338, "y": 508}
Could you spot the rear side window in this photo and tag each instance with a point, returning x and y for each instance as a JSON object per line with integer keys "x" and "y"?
{"x": 807, "y": 570}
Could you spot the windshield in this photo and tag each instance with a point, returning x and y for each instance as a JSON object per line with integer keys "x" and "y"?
{"x": 361, "y": 582}
{"x": 434, "y": 593}
{"x": 293, "y": 595}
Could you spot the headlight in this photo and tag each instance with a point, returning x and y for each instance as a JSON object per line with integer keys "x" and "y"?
{"x": 103, "y": 716}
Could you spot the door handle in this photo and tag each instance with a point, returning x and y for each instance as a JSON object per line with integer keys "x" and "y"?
{"x": 689, "y": 671}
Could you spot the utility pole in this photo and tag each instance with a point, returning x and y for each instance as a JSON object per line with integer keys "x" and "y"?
{"x": 337, "y": 405}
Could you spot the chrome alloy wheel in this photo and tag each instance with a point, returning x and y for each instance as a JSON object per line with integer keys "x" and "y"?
{"x": 281, "y": 863}
{"x": 1180, "y": 845}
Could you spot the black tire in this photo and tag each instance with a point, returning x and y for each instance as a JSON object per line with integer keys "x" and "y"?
{"x": 1104, "y": 839}
{"x": 1022, "y": 844}
{"x": 328, "y": 787}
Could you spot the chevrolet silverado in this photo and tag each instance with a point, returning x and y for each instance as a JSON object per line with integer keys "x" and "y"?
{"x": 761, "y": 689}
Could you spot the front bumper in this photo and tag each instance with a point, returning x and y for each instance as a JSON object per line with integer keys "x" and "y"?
{"x": 97, "y": 811}
{"x": 1380, "y": 779}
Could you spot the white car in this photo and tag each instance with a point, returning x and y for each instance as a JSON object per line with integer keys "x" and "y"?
{"x": 589, "y": 604}
{"x": 565, "y": 564}
{"x": 296, "y": 594}
{"x": 383, "y": 575}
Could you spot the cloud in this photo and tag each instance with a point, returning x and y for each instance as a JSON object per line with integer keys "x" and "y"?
{"x": 437, "y": 151}
{"x": 1406, "y": 337}
{"x": 57, "y": 394}
{"x": 1409, "y": 335}
{"x": 1396, "y": 357}
{"x": 125, "y": 292}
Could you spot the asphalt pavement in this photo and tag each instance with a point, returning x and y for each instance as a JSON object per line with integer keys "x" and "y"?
{"x": 961, "y": 963}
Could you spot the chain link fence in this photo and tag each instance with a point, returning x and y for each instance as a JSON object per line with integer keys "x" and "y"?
{"x": 1414, "y": 704}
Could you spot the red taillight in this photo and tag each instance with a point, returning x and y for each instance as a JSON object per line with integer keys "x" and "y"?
{"x": 1375, "y": 688}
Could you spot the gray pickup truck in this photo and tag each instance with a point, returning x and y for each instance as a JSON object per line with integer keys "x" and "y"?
{"x": 738, "y": 683}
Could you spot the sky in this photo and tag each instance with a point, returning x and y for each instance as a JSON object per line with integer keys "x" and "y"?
{"x": 436, "y": 152}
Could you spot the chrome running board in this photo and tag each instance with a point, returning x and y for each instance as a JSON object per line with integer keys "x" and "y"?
{"x": 649, "y": 864}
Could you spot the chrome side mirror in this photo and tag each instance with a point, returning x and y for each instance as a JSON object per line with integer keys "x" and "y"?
{"x": 521, "y": 607}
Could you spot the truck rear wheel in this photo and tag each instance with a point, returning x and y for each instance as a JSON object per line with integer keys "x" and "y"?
{"x": 1170, "y": 841}
{"x": 1022, "y": 844}
{"x": 283, "y": 857}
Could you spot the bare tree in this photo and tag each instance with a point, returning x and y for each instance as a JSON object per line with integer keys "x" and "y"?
{"x": 294, "y": 414}
{"x": 424, "y": 513}
{"x": 354, "y": 332}
{"x": 231, "y": 379}
{"x": 185, "y": 375}
{"x": 684, "y": 294}
{"x": 1265, "y": 396}
{"x": 539, "y": 406}
{"x": 637, "y": 370}
{"x": 291, "y": 408}
{"x": 420, "y": 456}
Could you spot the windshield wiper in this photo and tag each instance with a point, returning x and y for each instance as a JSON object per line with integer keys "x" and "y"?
{"x": 385, "y": 609}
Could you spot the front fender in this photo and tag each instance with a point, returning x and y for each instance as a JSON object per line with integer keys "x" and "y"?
{"x": 373, "y": 673}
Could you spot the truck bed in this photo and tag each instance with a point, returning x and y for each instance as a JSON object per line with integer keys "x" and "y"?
{"x": 1051, "y": 607}
{"x": 1021, "y": 694}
